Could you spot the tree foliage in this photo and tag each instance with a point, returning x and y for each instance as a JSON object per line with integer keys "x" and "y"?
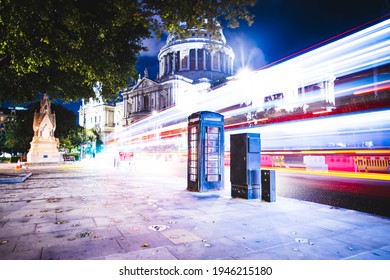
{"x": 64, "y": 47}
{"x": 18, "y": 132}
{"x": 68, "y": 132}
{"x": 200, "y": 14}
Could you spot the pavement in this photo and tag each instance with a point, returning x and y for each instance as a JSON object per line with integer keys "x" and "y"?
{"x": 90, "y": 210}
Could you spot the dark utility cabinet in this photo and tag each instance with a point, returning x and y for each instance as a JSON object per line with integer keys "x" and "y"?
{"x": 268, "y": 185}
{"x": 245, "y": 174}
{"x": 205, "y": 166}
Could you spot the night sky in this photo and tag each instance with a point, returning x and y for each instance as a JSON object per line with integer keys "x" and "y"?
{"x": 284, "y": 27}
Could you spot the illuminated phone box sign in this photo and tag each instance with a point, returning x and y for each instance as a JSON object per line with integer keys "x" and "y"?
{"x": 205, "y": 168}
{"x": 213, "y": 119}
{"x": 194, "y": 120}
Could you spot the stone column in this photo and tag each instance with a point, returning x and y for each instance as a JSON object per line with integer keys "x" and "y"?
{"x": 196, "y": 59}
{"x": 167, "y": 64}
{"x": 125, "y": 97}
{"x": 173, "y": 62}
{"x": 181, "y": 61}
{"x": 231, "y": 66}
{"x": 161, "y": 70}
{"x": 204, "y": 59}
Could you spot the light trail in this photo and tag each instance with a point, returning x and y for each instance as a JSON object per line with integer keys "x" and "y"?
{"x": 357, "y": 175}
{"x": 296, "y": 83}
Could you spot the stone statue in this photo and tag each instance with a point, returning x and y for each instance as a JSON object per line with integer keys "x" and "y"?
{"x": 44, "y": 146}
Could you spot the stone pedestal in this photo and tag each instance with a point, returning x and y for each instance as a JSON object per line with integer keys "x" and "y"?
{"x": 43, "y": 150}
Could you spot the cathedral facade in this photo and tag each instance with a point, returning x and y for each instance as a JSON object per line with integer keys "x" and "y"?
{"x": 188, "y": 65}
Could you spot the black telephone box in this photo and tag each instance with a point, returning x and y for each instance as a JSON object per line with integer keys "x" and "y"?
{"x": 205, "y": 164}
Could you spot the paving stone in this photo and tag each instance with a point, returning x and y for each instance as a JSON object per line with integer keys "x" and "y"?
{"x": 65, "y": 224}
{"x": 33, "y": 254}
{"x": 208, "y": 249}
{"x": 326, "y": 249}
{"x": 89, "y": 213}
{"x": 261, "y": 239}
{"x": 17, "y": 228}
{"x": 143, "y": 241}
{"x": 377, "y": 254}
{"x": 178, "y": 236}
{"x": 89, "y": 249}
{"x": 40, "y": 240}
{"x": 333, "y": 225}
{"x": 159, "y": 253}
{"x": 129, "y": 229}
{"x": 280, "y": 252}
{"x": 7, "y": 244}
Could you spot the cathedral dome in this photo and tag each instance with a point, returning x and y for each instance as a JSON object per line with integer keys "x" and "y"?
{"x": 196, "y": 55}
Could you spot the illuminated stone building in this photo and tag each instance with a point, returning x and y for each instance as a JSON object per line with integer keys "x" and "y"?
{"x": 188, "y": 65}
{"x": 97, "y": 114}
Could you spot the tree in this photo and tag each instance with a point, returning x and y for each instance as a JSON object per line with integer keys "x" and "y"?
{"x": 68, "y": 132}
{"x": 64, "y": 47}
{"x": 2, "y": 140}
{"x": 200, "y": 14}
{"x": 18, "y": 132}
{"x": 92, "y": 141}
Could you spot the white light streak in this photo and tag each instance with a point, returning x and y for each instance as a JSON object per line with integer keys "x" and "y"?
{"x": 357, "y": 52}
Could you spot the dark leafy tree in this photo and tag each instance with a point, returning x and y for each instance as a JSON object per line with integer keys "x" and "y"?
{"x": 92, "y": 141}
{"x": 18, "y": 133}
{"x": 2, "y": 141}
{"x": 64, "y": 47}
{"x": 69, "y": 133}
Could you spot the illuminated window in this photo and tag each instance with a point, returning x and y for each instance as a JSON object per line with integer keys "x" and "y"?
{"x": 184, "y": 62}
{"x": 192, "y": 59}
{"x": 146, "y": 102}
{"x": 216, "y": 61}
{"x": 193, "y": 154}
{"x": 213, "y": 148}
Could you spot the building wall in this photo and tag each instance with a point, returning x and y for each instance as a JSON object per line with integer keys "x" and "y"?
{"x": 194, "y": 59}
{"x": 186, "y": 69}
{"x": 97, "y": 115}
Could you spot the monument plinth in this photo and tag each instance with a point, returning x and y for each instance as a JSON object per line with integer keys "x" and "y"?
{"x": 44, "y": 146}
